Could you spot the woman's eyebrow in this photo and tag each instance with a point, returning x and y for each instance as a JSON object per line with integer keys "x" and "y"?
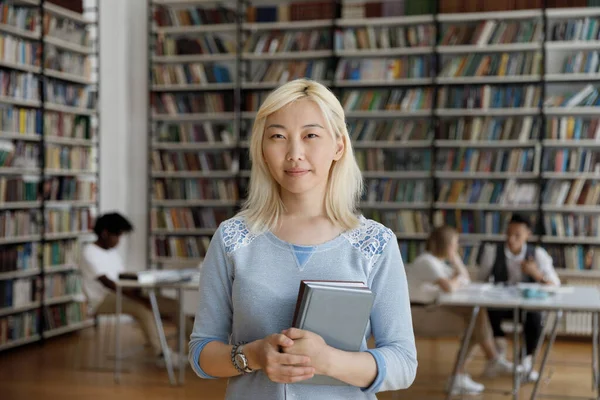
{"x": 313, "y": 126}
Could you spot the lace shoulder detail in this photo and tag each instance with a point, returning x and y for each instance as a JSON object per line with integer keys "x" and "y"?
{"x": 236, "y": 234}
{"x": 370, "y": 238}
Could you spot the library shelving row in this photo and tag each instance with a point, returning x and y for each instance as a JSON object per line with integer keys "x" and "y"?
{"x": 458, "y": 118}
{"x": 48, "y": 166}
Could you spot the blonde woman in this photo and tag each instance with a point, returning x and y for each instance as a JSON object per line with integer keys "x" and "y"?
{"x": 440, "y": 269}
{"x": 300, "y": 222}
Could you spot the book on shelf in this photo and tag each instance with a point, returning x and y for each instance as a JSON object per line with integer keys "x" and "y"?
{"x": 206, "y": 132}
{"x": 589, "y": 96}
{"x": 272, "y": 42}
{"x": 577, "y": 192}
{"x": 207, "y": 44}
{"x": 205, "y": 161}
{"x": 489, "y": 96}
{"x": 508, "y": 192}
{"x": 190, "y": 74}
{"x": 25, "y": 18}
{"x": 338, "y": 311}
{"x": 62, "y": 315}
{"x": 575, "y": 29}
{"x": 66, "y": 219}
{"x": 62, "y": 284}
{"x": 19, "y": 326}
{"x": 66, "y": 125}
{"x": 195, "y": 189}
{"x": 390, "y": 131}
{"x": 577, "y": 226}
{"x": 396, "y": 190}
{"x": 67, "y": 188}
{"x": 490, "y": 32}
{"x": 475, "y": 129}
{"x": 393, "y": 160}
{"x": 19, "y": 292}
{"x": 478, "y": 221}
{"x": 473, "y": 6}
{"x": 388, "y": 100}
{"x": 19, "y": 154}
{"x": 294, "y": 11}
{"x": 65, "y": 61}
{"x": 162, "y": 276}
{"x": 19, "y": 85}
{"x": 194, "y": 15}
{"x": 386, "y": 8}
{"x": 383, "y": 69}
{"x": 582, "y": 62}
{"x": 483, "y": 160}
{"x": 384, "y": 37}
{"x": 61, "y": 252}
{"x": 19, "y": 51}
{"x": 571, "y": 160}
{"x": 21, "y": 257}
{"x": 20, "y": 120}
{"x": 575, "y": 258}
{"x": 185, "y": 103}
{"x": 180, "y": 247}
{"x": 283, "y": 71}
{"x": 70, "y": 95}
{"x": 66, "y": 29}
{"x": 14, "y": 224}
{"x": 182, "y": 218}
{"x": 69, "y": 157}
{"x": 405, "y": 221}
{"x": 498, "y": 64}
{"x": 18, "y": 189}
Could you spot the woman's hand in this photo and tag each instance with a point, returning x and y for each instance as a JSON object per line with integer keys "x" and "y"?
{"x": 279, "y": 367}
{"x": 309, "y": 344}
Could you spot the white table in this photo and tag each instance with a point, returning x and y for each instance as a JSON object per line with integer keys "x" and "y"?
{"x": 477, "y": 296}
{"x": 563, "y": 299}
{"x": 151, "y": 289}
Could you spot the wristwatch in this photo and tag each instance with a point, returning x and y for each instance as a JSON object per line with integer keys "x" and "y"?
{"x": 239, "y": 359}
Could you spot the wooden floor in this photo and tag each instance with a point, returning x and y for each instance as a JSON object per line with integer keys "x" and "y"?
{"x": 67, "y": 368}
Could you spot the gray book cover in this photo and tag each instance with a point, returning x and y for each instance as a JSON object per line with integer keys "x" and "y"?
{"x": 337, "y": 311}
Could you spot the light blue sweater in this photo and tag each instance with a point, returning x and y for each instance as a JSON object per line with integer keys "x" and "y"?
{"x": 248, "y": 290}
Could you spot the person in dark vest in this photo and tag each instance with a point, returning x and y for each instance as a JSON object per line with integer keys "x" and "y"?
{"x": 513, "y": 262}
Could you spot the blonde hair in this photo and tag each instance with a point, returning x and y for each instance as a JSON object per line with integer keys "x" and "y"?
{"x": 439, "y": 240}
{"x": 263, "y": 208}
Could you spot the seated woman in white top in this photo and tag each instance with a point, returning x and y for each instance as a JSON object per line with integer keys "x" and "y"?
{"x": 439, "y": 269}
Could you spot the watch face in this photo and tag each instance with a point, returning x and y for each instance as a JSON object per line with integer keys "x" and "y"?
{"x": 240, "y": 360}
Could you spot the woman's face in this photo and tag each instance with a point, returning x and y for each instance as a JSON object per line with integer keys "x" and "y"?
{"x": 298, "y": 148}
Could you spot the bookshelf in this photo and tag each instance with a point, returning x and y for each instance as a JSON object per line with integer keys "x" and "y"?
{"x": 457, "y": 112}
{"x": 48, "y": 172}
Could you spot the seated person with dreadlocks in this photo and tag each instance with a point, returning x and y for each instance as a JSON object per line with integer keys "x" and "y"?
{"x": 101, "y": 266}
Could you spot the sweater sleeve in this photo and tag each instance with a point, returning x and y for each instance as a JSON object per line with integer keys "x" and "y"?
{"x": 391, "y": 323}
{"x": 214, "y": 311}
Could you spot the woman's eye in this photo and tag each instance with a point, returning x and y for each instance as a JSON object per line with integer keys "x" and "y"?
{"x": 312, "y": 135}
{"x": 277, "y": 136}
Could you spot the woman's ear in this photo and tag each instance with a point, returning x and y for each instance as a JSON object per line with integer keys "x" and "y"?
{"x": 339, "y": 149}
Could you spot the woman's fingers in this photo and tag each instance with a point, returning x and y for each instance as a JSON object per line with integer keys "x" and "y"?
{"x": 293, "y": 359}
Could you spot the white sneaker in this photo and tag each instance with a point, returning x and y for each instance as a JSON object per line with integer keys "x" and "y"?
{"x": 465, "y": 385}
{"x": 499, "y": 366}
{"x": 529, "y": 374}
{"x": 501, "y": 345}
{"x": 175, "y": 359}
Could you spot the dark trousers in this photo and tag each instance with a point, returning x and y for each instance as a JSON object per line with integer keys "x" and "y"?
{"x": 532, "y": 326}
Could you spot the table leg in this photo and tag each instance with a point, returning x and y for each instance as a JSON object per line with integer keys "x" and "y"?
{"x": 462, "y": 353}
{"x": 161, "y": 335}
{"x": 594, "y": 351}
{"x": 559, "y": 315}
{"x": 516, "y": 353}
{"x": 542, "y": 338}
{"x": 118, "y": 311}
{"x": 181, "y": 337}
{"x": 595, "y": 327}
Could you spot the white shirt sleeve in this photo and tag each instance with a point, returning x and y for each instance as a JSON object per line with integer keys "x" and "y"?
{"x": 546, "y": 265}
{"x": 487, "y": 262}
